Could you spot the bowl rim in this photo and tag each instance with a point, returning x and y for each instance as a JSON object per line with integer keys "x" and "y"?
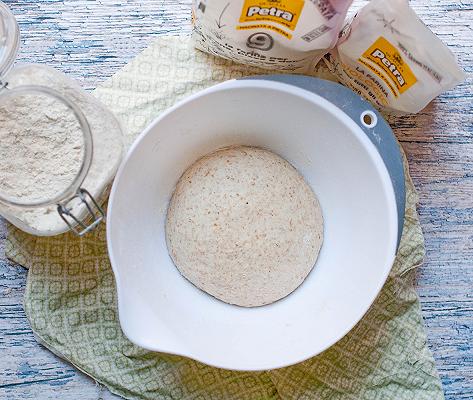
{"x": 372, "y": 151}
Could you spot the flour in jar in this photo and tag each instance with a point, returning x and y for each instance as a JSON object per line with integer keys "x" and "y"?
{"x": 42, "y": 147}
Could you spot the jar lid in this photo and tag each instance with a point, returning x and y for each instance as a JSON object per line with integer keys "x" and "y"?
{"x": 9, "y": 39}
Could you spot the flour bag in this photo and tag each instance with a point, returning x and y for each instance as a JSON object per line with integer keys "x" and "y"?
{"x": 287, "y": 35}
{"x": 389, "y": 56}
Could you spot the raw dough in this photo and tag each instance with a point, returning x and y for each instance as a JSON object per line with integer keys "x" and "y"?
{"x": 244, "y": 226}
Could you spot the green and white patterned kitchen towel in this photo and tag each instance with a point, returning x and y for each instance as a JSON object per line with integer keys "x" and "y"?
{"x": 70, "y": 297}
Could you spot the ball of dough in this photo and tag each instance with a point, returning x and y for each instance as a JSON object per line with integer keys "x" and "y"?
{"x": 244, "y": 226}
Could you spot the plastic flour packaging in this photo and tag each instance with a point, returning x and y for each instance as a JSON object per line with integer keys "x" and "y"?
{"x": 286, "y": 35}
{"x": 389, "y": 56}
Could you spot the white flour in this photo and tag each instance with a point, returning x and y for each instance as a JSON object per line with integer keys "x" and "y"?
{"x": 41, "y": 147}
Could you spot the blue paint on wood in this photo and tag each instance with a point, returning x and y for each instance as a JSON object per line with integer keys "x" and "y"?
{"x": 25, "y": 369}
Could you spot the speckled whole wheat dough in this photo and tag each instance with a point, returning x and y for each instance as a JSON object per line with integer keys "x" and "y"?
{"x": 244, "y": 226}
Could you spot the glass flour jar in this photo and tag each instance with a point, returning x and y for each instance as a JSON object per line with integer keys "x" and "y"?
{"x": 59, "y": 146}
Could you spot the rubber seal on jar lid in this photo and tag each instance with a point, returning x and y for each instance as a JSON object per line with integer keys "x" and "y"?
{"x": 9, "y": 40}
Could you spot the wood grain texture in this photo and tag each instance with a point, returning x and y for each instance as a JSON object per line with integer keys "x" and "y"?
{"x": 91, "y": 39}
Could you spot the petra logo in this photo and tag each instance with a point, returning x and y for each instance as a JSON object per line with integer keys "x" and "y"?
{"x": 384, "y": 59}
{"x": 281, "y": 12}
{"x": 273, "y": 12}
{"x": 391, "y": 65}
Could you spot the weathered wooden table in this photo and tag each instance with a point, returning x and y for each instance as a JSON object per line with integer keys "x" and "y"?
{"x": 90, "y": 40}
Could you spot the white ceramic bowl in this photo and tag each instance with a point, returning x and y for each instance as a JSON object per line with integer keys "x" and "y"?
{"x": 161, "y": 311}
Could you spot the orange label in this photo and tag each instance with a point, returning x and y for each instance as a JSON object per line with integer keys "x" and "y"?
{"x": 389, "y": 65}
{"x": 283, "y": 12}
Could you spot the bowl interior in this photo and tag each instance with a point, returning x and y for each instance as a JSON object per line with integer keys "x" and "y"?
{"x": 162, "y": 311}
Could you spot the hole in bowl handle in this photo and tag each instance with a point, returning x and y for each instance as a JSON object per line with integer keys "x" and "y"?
{"x": 369, "y": 119}
{"x": 94, "y": 211}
